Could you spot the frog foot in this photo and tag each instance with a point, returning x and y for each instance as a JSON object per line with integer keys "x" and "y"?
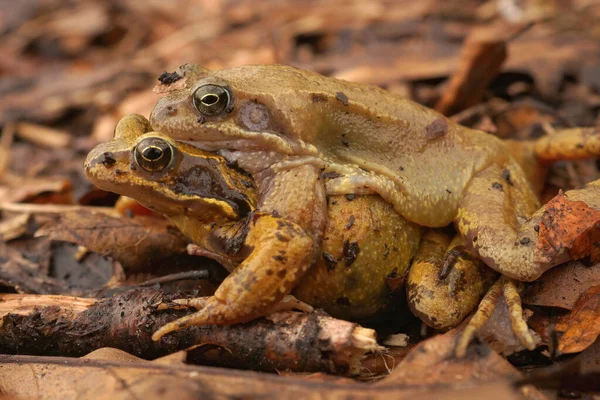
{"x": 484, "y": 312}
{"x": 211, "y": 311}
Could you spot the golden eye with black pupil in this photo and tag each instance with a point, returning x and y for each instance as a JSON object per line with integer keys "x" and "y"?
{"x": 211, "y": 100}
{"x": 153, "y": 154}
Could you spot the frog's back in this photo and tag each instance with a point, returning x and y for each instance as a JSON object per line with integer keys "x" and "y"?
{"x": 430, "y": 158}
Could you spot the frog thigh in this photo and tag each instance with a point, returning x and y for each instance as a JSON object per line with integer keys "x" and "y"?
{"x": 281, "y": 255}
{"x": 443, "y": 302}
{"x": 488, "y": 218}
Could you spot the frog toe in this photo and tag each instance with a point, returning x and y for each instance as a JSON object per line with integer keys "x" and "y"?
{"x": 212, "y": 311}
{"x": 198, "y": 303}
{"x": 487, "y": 306}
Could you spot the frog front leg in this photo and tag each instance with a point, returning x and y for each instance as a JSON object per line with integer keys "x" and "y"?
{"x": 281, "y": 253}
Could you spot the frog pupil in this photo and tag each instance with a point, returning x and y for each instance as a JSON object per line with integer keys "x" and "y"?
{"x": 212, "y": 100}
{"x": 153, "y": 153}
{"x": 209, "y": 99}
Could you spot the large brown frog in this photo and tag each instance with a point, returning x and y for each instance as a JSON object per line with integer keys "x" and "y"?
{"x": 307, "y": 145}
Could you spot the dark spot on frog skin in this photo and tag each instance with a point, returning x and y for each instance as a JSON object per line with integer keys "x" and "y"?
{"x": 318, "y": 98}
{"x": 204, "y": 181}
{"x": 343, "y": 301}
{"x": 108, "y": 160}
{"x": 386, "y": 251}
{"x": 269, "y": 272}
{"x": 166, "y": 78}
{"x": 281, "y": 273}
{"x": 536, "y": 228}
{"x": 342, "y": 97}
{"x": 119, "y": 172}
{"x": 329, "y": 175}
{"x": 448, "y": 191}
{"x": 401, "y": 168}
{"x": 452, "y": 257}
{"x": 350, "y": 222}
{"x": 437, "y": 129}
{"x": 345, "y": 142}
{"x": 350, "y": 196}
{"x": 200, "y": 120}
{"x": 330, "y": 261}
{"x": 281, "y": 259}
{"x": 525, "y": 241}
{"x": 350, "y": 251}
{"x": 498, "y": 186}
{"x": 506, "y": 176}
{"x": 132, "y": 167}
{"x": 579, "y": 145}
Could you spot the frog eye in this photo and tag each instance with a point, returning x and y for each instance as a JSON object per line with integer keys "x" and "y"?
{"x": 212, "y": 100}
{"x": 153, "y": 154}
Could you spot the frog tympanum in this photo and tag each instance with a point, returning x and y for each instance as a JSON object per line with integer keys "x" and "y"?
{"x": 324, "y": 188}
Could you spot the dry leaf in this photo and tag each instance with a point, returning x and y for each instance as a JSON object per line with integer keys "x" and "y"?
{"x": 432, "y": 363}
{"x": 581, "y": 328}
{"x": 562, "y": 285}
{"x": 569, "y": 226}
{"x": 141, "y": 243}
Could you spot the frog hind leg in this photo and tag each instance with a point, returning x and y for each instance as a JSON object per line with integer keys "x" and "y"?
{"x": 502, "y": 222}
{"x": 484, "y": 312}
{"x": 282, "y": 253}
{"x": 495, "y": 218}
{"x": 569, "y": 144}
{"x": 445, "y": 283}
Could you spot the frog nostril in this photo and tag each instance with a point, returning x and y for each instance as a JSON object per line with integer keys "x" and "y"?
{"x": 171, "y": 111}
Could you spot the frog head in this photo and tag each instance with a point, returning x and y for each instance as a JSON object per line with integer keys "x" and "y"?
{"x": 170, "y": 177}
{"x": 248, "y": 107}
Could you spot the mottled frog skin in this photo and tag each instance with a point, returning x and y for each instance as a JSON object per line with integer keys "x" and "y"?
{"x": 338, "y": 175}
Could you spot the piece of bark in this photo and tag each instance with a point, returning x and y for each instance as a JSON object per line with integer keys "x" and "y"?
{"x": 58, "y": 325}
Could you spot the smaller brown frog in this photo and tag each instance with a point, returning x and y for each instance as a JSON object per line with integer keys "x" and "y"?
{"x": 365, "y": 241}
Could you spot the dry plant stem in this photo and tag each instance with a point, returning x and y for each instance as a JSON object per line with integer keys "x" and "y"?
{"x": 71, "y": 326}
